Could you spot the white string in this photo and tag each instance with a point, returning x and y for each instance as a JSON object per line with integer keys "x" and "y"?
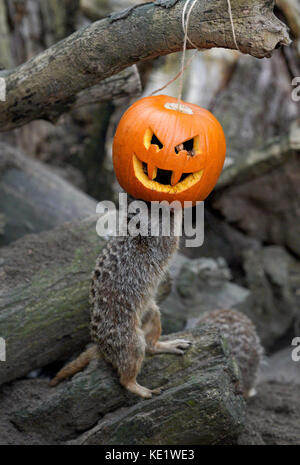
{"x": 232, "y": 25}
{"x": 185, "y": 20}
{"x": 185, "y": 25}
{"x": 177, "y": 75}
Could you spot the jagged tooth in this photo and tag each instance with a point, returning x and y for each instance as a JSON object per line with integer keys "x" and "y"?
{"x": 152, "y": 171}
{"x": 176, "y": 175}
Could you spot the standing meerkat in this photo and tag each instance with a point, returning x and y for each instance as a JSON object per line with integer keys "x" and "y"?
{"x": 125, "y": 319}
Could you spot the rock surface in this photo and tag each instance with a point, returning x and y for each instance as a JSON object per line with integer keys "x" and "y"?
{"x": 273, "y": 415}
{"x": 266, "y": 206}
{"x": 200, "y": 285}
{"x": 272, "y": 276}
{"x": 281, "y": 368}
{"x": 201, "y": 402}
{"x": 269, "y": 296}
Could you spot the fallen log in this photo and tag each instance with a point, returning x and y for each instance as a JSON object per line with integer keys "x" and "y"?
{"x": 44, "y": 314}
{"x": 44, "y": 287}
{"x": 201, "y": 402}
{"x": 257, "y": 162}
{"x": 34, "y": 199}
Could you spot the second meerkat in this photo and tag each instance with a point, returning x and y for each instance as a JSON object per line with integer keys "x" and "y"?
{"x": 125, "y": 319}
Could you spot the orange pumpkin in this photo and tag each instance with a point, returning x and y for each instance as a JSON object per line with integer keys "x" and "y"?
{"x": 160, "y": 153}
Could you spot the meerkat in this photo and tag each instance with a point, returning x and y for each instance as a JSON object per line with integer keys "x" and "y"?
{"x": 243, "y": 341}
{"x": 125, "y": 319}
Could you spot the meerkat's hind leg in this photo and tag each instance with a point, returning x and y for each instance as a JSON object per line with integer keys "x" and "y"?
{"x": 129, "y": 370}
{"x": 136, "y": 388}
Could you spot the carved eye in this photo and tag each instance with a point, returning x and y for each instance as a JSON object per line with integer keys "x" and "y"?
{"x": 156, "y": 141}
{"x": 191, "y": 146}
{"x": 151, "y": 139}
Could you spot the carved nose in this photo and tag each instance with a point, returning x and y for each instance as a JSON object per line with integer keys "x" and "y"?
{"x": 182, "y": 153}
{"x": 154, "y": 148}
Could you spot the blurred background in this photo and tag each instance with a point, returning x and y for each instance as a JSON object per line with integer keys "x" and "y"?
{"x": 250, "y": 259}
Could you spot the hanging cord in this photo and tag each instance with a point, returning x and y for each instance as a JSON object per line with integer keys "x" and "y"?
{"x": 183, "y": 67}
{"x": 185, "y": 25}
{"x": 232, "y": 26}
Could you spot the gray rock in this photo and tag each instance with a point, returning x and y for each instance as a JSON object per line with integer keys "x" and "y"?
{"x": 281, "y": 368}
{"x": 200, "y": 285}
{"x": 222, "y": 240}
{"x": 260, "y": 193}
{"x": 270, "y": 298}
{"x": 273, "y": 415}
{"x": 271, "y": 276}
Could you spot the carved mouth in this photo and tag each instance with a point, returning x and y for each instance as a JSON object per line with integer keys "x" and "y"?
{"x": 161, "y": 180}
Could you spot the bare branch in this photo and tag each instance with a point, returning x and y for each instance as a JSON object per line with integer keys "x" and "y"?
{"x": 49, "y": 82}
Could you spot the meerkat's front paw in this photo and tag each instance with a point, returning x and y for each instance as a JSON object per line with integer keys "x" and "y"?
{"x": 177, "y": 346}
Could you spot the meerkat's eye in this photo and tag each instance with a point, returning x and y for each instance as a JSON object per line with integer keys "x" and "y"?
{"x": 191, "y": 146}
{"x": 151, "y": 139}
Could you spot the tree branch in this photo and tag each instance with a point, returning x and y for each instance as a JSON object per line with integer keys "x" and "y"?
{"x": 50, "y": 81}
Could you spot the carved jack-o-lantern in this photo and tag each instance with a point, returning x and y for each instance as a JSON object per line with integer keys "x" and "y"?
{"x": 160, "y": 153}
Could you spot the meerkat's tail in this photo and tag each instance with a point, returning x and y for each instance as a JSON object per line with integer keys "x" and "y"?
{"x": 76, "y": 365}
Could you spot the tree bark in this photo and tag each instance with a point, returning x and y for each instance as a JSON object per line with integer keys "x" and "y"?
{"x": 26, "y": 29}
{"x": 124, "y": 84}
{"x": 97, "y": 9}
{"x": 41, "y": 139}
{"x": 46, "y": 86}
{"x": 201, "y": 402}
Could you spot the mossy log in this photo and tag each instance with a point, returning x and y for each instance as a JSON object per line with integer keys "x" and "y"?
{"x": 44, "y": 312}
{"x": 44, "y": 287}
{"x": 201, "y": 402}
